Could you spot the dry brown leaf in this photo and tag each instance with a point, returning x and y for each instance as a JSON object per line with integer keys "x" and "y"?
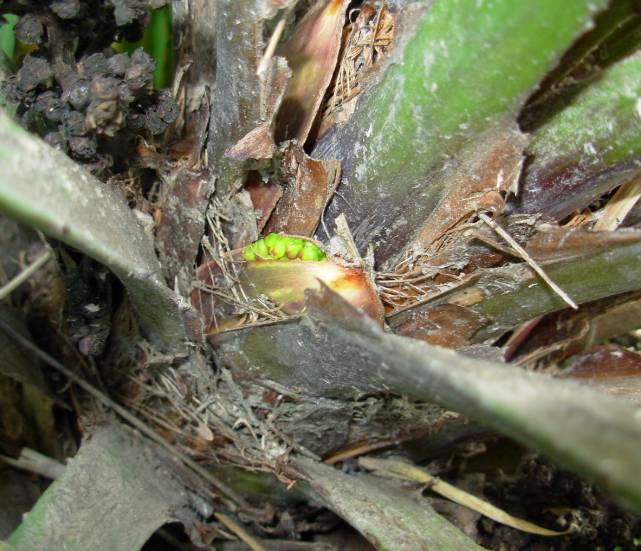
{"x": 409, "y": 472}
{"x": 482, "y": 181}
{"x": 558, "y": 336}
{"x": 311, "y": 185}
{"x": 611, "y": 368}
{"x": 447, "y": 325}
{"x": 552, "y": 243}
{"x": 264, "y": 197}
{"x": 312, "y": 53}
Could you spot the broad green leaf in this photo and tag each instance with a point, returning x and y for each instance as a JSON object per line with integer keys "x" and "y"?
{"x": 42, "y": 187}
{"x": 587, "y": 148}
{"x": 388, "y": 517}
{"x": 468, "y": 67}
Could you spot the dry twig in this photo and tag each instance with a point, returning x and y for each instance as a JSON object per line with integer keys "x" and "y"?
{"x": 25, "y": 274}
{"x": 252, "y": 542}
{"x": 530, "y": 261}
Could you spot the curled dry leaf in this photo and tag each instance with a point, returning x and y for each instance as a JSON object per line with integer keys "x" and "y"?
{"x": 310, "y": 186}
{"x": 312, "y": 53}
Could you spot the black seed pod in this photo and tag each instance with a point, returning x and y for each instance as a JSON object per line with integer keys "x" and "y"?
{"x": 140, "y": 72}
{"x": 56, "y": 140}
{"x": 29, "y": 30}
{"x": 51, "y": 107}
{"x": 83, "y": 148}
{"x": 118, "y": 64}
{"x": 34, "y": 71}
{"x": 66, "y": 9}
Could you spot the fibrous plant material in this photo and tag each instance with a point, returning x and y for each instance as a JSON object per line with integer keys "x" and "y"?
{"x": 366, "y": 41}
{"x": 311, "y": 53}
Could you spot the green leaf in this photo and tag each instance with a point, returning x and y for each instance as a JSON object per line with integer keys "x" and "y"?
{"x": 389, "y": 518}
{"x": 468, "y": 67}
{"x": 157, "y": 43}
{"x": 42, "y": 187}
{"x": 595, "y": 435}
{"x": 114, "y": 494}
{"x": 7, "y": 35}
{"x": 589, "y": 147}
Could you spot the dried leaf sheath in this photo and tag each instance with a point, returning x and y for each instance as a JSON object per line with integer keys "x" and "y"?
{"x": 311, "y": 53}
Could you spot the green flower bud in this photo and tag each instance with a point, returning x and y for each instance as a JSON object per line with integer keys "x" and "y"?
{"x": 312, "y": 252}
{"x": 261, "y": 250}
{"x": 271, "y": 239}
{"x": 248, "y": 253}
{"x": 282, "y": 247}
{"x": 294, "y": 248}
{"x": 278, "y": 249}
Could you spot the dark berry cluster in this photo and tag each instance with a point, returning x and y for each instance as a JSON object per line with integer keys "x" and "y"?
{"x": 74, "y": 89}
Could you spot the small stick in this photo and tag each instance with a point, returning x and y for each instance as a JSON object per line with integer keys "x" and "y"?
{"x": 531, "y": 262}
{"x": 252, "y": 542}
{"x": 35, "y": 462}
{"x": 25, "y": 274}
{"x": 343, "y": 231}
{"x": 274, "y": 39}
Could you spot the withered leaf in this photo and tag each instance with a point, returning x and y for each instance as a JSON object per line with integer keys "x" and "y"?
{"x": 482, "y": 180}
{"x": 312, "y": 184}
{"x": 312, "y": 53}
